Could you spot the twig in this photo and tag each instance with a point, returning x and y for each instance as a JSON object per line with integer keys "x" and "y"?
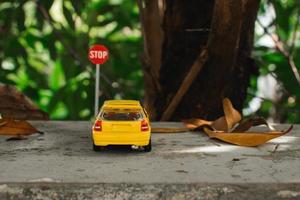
{"x": 295, "y": 34}
{"x": 262, "y": 98}
{"x": 275, "y": 149}
{"x": 187, "y": 82}
{"x": 279, "y": 46}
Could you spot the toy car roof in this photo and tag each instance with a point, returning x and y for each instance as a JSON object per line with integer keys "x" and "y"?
{"x": 121, "y": 103}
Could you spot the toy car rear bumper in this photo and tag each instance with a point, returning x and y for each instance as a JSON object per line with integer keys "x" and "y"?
{"x": 138, "y": 139}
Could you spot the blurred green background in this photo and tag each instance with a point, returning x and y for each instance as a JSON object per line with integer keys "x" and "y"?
{"x": 44, "y": 44}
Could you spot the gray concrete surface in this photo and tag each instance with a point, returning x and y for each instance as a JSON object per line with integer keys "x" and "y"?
{"x": 186, "y": 164}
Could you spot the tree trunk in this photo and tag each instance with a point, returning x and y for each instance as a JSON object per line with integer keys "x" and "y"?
{"x": 205, "y": 48}
{"x": 151, "y": 12}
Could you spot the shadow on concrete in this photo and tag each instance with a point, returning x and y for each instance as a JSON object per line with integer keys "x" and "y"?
{"x": 120, "y": 149}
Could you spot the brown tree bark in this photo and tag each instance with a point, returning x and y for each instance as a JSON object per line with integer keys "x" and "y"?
{"x": 205, "y": 56}
{"x": 151, "y": 18}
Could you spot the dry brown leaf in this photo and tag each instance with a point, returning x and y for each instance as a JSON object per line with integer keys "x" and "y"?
{"x": 245, "y": 125}
{"x": 232, "y": 116}
{"x": 168, "y": 130}
{"x": 220, "y": 124}
{"x": 14, "y": 104}
{"x": 224, "y": 123}
{"x": 193, "y": 124}
{"x": 229, "y": 129}
{"x": 17, "y": 128}
{"x": 247, "y": 139}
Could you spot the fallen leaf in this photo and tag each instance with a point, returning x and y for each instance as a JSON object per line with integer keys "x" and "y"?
{"x": 245, "y": 125}
{"x": 220, "y": 124}
{"x": 232, "y": 116}
{"x": 247, "y": 139}
{"x": 17, "y": 128}
{"x": 168, "y": 130}
{"x": 14, "y": 104}
{"x": 229, "y": 128}
{"x": 224, "y": 123}
{"x": 193, "y": 124}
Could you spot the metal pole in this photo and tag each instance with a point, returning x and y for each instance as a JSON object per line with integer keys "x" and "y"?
{"x": 97, "y": 89}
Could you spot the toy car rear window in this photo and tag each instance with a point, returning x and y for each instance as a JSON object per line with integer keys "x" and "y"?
{"x": 121, "y": 115}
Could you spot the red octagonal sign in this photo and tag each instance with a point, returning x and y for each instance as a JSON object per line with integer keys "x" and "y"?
{"x": 98, "y": 54}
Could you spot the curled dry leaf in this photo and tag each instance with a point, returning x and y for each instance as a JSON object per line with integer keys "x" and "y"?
{"x": 231, "y": 129}
{"x": 247, "y": 139}
{"x": 17, "y": 128}
{"x": 14, "y": 104}
{"x": 168, "y": 130}
{"x": 224, "y": 123}
{"x": 193, "y": 124}
{"x": 232, "y": 116}
{"x": 220, "y": 124}
{"x": 246, "y": 124}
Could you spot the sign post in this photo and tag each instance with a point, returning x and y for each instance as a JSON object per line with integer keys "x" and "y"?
{"x": 98, "y": 54}
{"x": 97, "y": 89}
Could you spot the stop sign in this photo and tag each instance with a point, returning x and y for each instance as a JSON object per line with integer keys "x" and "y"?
{"x": 98, "y": 54}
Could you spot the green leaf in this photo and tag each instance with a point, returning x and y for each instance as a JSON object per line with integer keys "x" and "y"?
{"x": 20, "y": 16}
{"x": 57, "y": 77}
{"x": 78, "y": 6}
{"x": 68, "y": 16}
{"x": 274, "y": 58}
{"x": 283, "y": 14}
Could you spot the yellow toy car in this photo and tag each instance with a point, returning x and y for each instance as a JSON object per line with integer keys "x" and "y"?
{"x": 122, "y": 122}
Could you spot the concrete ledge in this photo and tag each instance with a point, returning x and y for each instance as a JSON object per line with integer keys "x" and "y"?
{"x": 62, "y": 165}
{"x": 74, "y": 191}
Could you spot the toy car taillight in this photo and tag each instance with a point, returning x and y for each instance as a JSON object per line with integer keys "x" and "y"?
{"x": 98, "y": 125}
{"x": 144, "y": 125}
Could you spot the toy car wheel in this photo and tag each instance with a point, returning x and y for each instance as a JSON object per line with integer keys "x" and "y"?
{"x": 97, "y": 148}
{"x": 148, "y": 147}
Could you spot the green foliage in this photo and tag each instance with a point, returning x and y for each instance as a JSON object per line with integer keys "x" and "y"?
{"x": 285, "y": 26}
{"x": 43, "y": 51}
{"x": 44, "y": 43}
